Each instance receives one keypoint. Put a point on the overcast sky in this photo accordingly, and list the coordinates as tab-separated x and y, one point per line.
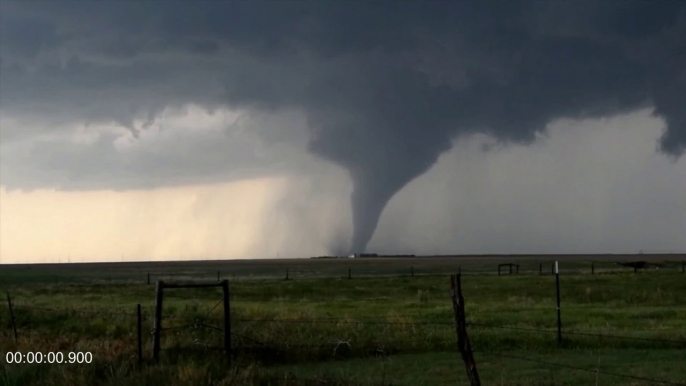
179	129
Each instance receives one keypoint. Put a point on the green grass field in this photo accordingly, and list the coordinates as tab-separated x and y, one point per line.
388	330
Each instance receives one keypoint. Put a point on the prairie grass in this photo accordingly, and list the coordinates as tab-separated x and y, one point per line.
381	331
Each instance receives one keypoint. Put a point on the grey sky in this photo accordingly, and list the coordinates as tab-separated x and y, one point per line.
93	94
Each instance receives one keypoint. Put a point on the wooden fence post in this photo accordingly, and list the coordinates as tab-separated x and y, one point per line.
218	277
411	271
350	273
159	288
592	268
683	264
540	268
140	335
286	273
148	277
463	344
559	319
227	320
14	324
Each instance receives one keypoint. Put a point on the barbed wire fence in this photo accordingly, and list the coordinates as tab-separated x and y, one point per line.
197	325
530	268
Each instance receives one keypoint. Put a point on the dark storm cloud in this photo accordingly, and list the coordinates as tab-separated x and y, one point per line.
385	86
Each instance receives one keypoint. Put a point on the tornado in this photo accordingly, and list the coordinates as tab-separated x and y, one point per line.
503	71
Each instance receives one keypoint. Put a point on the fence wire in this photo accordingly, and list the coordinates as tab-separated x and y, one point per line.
579	333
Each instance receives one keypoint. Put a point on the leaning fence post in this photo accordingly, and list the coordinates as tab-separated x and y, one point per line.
227	320
463	344
14	324
559	318
140	335
159	287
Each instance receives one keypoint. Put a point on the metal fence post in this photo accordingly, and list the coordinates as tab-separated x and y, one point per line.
12	319
140	335
559	318
159	289
227	320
